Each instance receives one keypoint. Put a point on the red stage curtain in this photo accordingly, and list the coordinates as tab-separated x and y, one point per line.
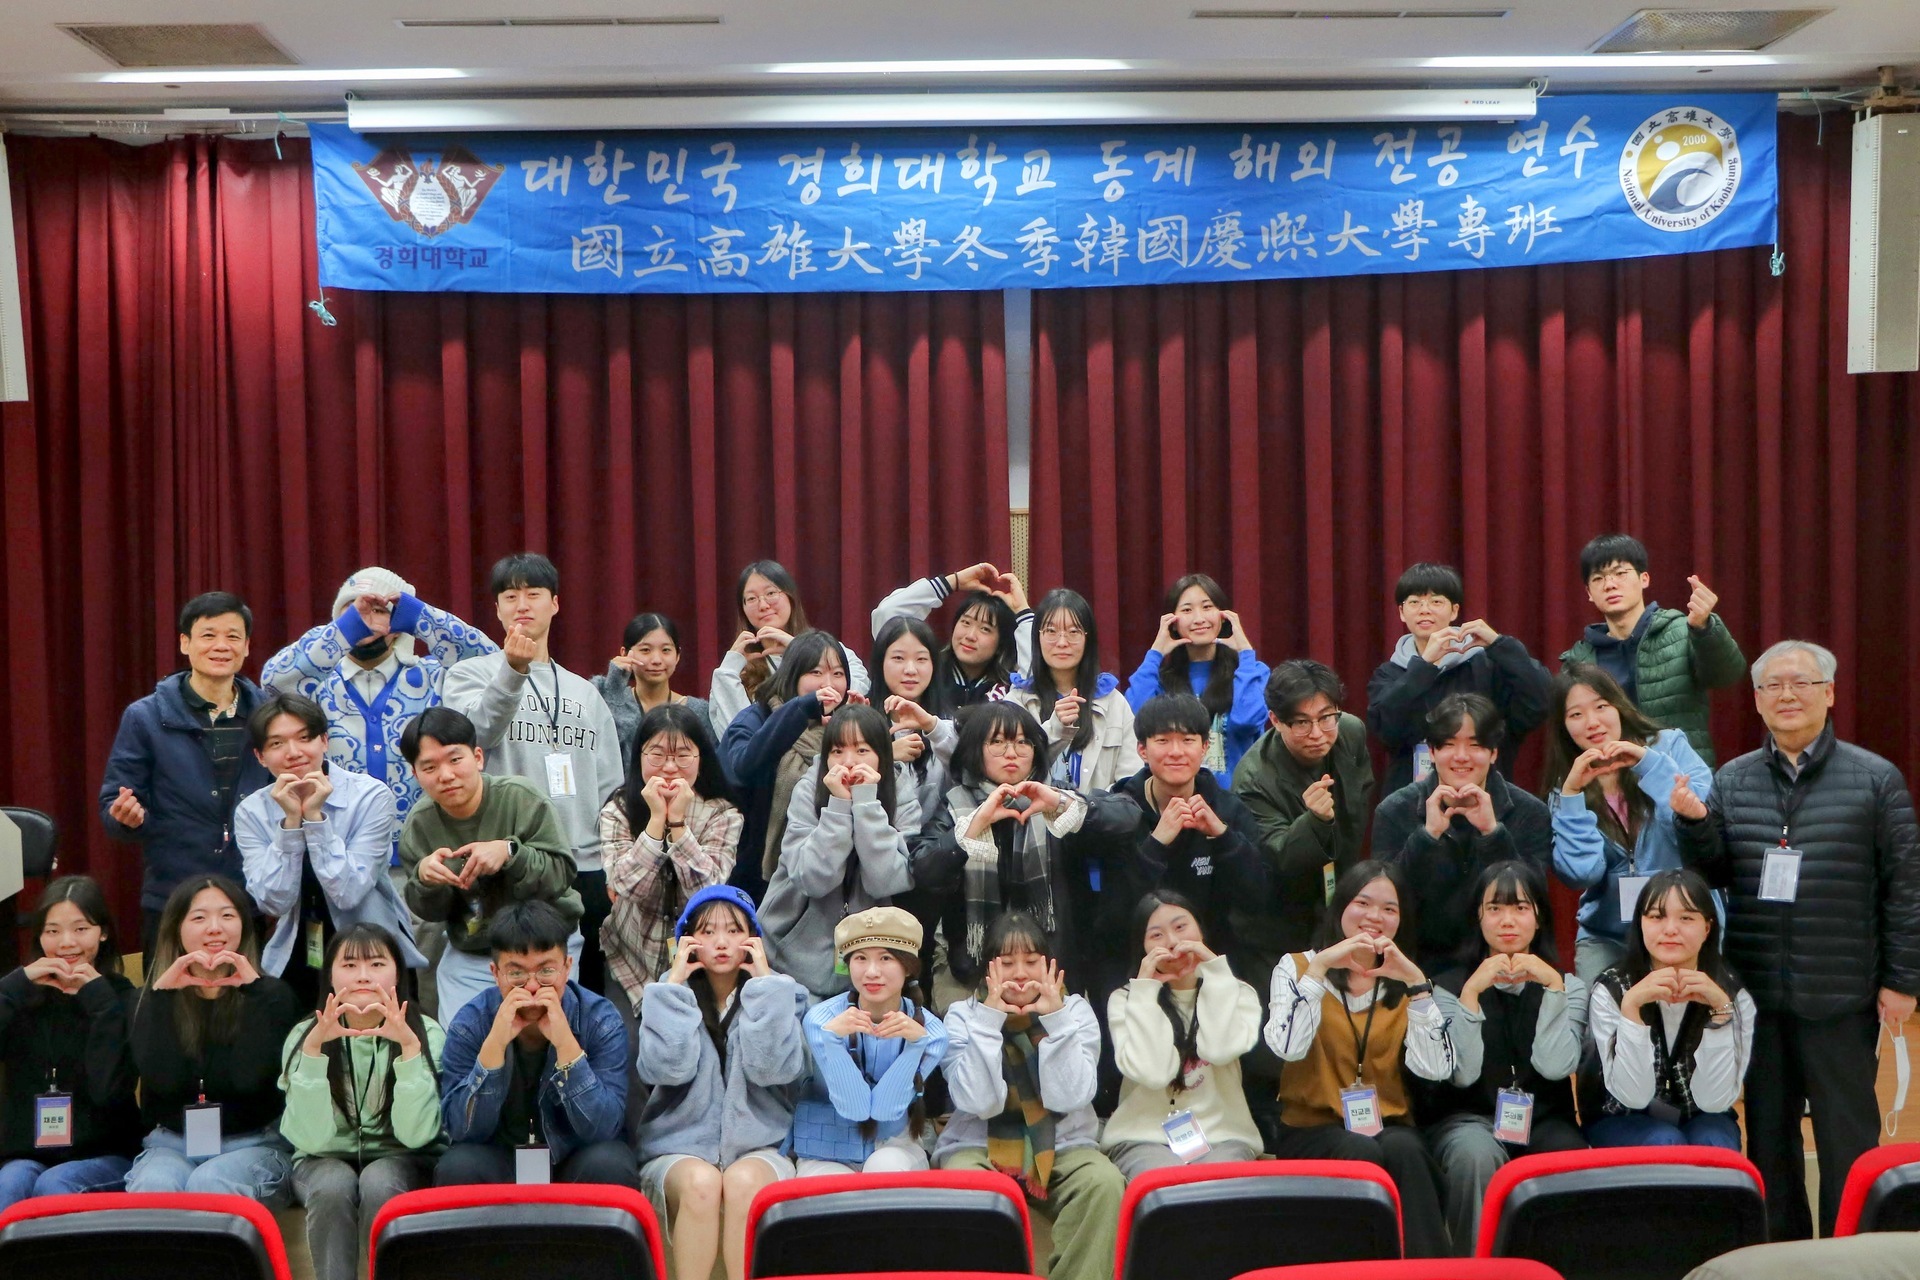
194	426
1303	441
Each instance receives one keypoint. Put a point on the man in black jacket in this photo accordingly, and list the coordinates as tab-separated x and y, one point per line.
1815	840
1466	817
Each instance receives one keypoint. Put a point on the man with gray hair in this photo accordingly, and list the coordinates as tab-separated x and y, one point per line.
1815	842
362	669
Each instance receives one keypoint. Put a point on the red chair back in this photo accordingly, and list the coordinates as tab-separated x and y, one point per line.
965	1218
1413	1269
1218	1221
1647	1212
183	1236
570	1231
1882	1192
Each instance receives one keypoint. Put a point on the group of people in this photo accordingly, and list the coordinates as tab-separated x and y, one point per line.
423	909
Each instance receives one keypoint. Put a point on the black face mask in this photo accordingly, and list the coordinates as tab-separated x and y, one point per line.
372	649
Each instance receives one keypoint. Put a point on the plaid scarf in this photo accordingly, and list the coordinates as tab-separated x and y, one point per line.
1020	1138
981	879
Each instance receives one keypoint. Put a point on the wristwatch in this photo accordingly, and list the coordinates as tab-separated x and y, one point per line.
1420	988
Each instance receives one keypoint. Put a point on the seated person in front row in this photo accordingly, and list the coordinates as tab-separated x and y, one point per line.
538	1060
1022	1066
473	844
1672	1028
363	1096
873	1048
1350	1020
721	1044
1517	1022
1464	818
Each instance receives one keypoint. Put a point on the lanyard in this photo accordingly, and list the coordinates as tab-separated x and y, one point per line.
1360	1037
553	716
1788	796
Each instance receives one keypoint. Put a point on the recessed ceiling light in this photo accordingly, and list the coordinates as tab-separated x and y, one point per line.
269	74
965	66
1526	62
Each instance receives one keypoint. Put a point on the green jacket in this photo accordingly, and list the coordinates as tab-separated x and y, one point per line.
408	1123
1296	845
541	867
1676	665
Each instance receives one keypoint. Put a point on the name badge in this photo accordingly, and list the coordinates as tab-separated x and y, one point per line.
1513	1117
1780	876
560	774
202	1125
1361	1107
1184	1136
316	935
1630	887
1327	877
1422	762
532	1166
53	1120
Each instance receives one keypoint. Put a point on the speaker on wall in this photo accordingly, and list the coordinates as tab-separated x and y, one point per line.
1883	257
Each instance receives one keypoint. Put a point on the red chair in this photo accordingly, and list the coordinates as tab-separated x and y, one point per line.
1882	1192
183	1236
1414	1269
570	1231
1647	1212
1218	1221
875	1222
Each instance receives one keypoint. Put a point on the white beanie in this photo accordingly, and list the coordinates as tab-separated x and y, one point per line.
373	579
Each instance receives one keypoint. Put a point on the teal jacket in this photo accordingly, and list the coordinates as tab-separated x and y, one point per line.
1675	665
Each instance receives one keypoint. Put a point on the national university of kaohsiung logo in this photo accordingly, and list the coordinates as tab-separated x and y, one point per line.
431	196
1681	168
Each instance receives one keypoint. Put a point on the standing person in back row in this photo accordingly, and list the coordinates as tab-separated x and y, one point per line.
180	762
539	721
1815	841
1665	659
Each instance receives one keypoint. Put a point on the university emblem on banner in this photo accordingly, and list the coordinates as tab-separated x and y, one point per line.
431	196
1681	168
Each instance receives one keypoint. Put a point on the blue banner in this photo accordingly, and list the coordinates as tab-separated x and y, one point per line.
834	209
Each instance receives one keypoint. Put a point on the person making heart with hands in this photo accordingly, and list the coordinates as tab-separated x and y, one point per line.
208	961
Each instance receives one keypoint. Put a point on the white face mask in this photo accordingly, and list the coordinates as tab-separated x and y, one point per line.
1902	1077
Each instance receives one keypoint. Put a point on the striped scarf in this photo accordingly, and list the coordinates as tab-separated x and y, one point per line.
1020	1138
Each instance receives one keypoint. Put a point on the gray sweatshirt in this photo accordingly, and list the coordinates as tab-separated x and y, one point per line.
809	892
1069	1067
522	719
699	1107
1558	1032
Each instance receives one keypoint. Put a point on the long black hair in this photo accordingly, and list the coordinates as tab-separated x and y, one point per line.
203	1022
801	657
671	719
1218	695
1512	882
952	687
717	1024
358	942
858	722
1695	895
758	669
86	896
890	634
1345	890
990	720
1070	604
1562	751
1186	1035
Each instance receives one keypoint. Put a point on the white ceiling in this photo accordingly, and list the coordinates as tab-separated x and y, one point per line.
43	68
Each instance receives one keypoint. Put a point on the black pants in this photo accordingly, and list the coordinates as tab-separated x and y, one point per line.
592	888
1399	1150
470	1163
1828	1064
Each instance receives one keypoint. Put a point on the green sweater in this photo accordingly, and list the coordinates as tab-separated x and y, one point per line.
541	866
411	1123
1675	665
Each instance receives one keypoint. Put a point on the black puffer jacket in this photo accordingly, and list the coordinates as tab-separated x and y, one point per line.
1854	925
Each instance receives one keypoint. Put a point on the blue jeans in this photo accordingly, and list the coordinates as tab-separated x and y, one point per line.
256	1165
1636	1129
25	1179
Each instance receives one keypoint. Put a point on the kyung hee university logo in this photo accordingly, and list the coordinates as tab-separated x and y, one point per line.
431	196
1681	168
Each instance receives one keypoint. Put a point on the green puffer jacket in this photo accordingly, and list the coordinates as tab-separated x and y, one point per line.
1675	666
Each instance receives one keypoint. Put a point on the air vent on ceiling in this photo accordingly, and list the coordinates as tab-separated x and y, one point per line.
666	20
1325	15
181	44
1704	30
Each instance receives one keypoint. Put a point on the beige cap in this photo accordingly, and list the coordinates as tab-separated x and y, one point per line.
888	927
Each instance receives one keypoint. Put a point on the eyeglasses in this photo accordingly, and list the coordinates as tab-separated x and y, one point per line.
1011	746
1051	632
1326	723
548	974
770	597
1801	688
1614	573
685	756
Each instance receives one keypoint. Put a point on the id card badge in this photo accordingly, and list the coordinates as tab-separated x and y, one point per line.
532	1166
202	1125
1513	1116
1422	762
1780	875
52	1121
1328	874
316	936
1360	1106
1630	887
1184	1136
560	774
